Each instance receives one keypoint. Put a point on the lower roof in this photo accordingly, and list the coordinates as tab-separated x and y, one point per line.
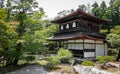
77	35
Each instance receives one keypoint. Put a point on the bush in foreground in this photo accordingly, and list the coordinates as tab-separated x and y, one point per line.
30	58
52	62
105	59
43	62
88	63
64	55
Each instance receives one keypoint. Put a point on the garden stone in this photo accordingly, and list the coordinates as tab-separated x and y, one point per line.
82	69
114	64
97	71
89	70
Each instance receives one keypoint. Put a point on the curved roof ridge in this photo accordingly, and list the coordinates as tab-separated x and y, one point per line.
83	14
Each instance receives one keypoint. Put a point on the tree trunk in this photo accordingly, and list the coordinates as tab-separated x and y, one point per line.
18	53
118	57
16	61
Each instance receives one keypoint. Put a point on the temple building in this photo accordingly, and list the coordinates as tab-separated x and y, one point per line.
79	32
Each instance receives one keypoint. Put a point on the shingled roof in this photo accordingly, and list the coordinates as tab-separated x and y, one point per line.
81	14
77	35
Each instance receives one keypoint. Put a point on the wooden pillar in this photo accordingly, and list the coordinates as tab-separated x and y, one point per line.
83	47
104	48
67	44
95	48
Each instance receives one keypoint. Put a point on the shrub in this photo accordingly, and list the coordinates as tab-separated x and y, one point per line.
112	52
104	59
52	62
22	57
43	62
88	63
64	55
30	58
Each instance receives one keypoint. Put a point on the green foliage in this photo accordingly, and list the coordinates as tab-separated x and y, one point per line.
64	55
116	3
88	63
95	9
27	58
114	39
104	59
3	13
30	58
104	31
43	62
112	52
24	36
83	7
52	61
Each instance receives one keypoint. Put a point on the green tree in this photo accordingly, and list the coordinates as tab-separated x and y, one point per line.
63	13
114	39
82	7
95	9
102	9
103	14
37	32
116	3
22	7
3	33
112	14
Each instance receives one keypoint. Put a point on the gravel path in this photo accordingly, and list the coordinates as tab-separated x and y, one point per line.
31	69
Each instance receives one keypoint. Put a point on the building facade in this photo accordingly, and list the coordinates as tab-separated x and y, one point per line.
79	32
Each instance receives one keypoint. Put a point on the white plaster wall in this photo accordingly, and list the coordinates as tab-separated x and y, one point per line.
79	46
75	46
99	41
71	40
89	46
65	41
105	48
72	46
79	40
69	46
100	50
89	54
89	41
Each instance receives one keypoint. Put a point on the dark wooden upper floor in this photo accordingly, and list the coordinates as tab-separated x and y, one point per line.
79	21
79	25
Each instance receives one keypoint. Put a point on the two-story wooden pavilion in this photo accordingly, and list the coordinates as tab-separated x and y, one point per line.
79	32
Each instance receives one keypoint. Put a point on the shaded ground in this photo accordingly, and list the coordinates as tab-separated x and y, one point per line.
31	69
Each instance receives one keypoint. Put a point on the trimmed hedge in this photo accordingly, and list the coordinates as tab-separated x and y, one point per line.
88	63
